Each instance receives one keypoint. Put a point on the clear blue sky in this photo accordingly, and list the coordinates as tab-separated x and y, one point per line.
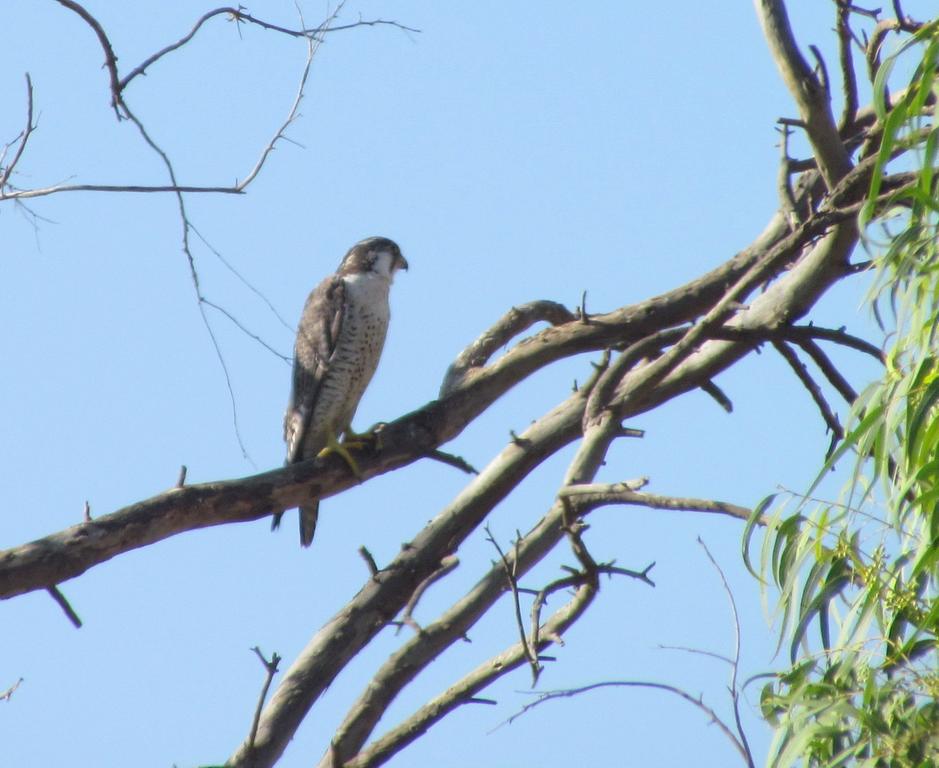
516	152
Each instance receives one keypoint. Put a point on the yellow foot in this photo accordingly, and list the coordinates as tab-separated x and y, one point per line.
370	438
342	449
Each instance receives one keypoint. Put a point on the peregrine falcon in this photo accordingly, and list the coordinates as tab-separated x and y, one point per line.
339	341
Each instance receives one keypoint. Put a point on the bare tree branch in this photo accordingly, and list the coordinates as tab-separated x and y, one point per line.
846	60
590	496
7	171
515	321
453	625
313	37
654	350
8	693
511	579
447	564
270	669
735	666
63	603
839	382
110	59
239	15
806	90
829	416
695	701
463	692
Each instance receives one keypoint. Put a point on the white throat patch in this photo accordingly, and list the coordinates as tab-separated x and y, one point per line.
383	264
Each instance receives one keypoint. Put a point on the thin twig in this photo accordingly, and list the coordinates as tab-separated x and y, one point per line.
369	561
718	395
242	279
446	565
695	701
734	691
110	59
829	416
64	605
839	382
848	75
8	693
698	651
453	461
22	138
239	16
241	327
787	198
510	575
512	323
822	69
270	667
837	336
590	496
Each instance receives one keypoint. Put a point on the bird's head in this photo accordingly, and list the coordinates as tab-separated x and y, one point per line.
378	255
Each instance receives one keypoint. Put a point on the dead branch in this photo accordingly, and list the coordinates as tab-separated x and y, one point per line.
369	561
270	669
447	564
385	594
797	366
313	38
22	139
511	578
65	555
453	461
667	345
839	382
735	665
695	701
63	603
590	496
718	395
514	322
8	693
453	625
800	333
463	692
846	61
239	15
809	94
110	59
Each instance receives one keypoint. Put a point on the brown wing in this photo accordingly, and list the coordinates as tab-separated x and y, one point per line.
319	328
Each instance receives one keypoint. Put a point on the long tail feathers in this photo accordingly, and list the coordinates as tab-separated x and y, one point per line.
308	515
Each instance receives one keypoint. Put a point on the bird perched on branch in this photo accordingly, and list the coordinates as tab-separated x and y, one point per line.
339	341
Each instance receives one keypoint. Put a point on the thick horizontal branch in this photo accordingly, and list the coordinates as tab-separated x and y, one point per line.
69	553
64	555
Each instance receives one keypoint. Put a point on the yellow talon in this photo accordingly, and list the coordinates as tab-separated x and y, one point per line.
370	438
342	449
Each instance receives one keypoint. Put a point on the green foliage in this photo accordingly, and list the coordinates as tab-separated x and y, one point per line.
858	580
